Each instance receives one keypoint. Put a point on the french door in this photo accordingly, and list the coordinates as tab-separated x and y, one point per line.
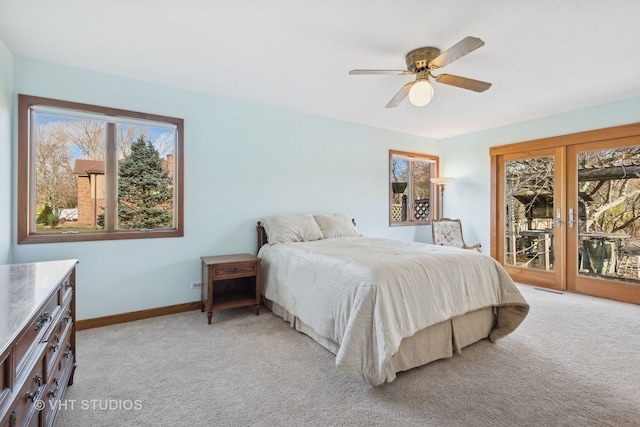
532	243
568	212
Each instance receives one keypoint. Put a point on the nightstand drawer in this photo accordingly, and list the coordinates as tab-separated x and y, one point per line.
234	270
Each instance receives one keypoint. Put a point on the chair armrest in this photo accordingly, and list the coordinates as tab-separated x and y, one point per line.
477	247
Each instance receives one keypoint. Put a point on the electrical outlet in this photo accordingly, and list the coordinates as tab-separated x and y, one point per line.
196	285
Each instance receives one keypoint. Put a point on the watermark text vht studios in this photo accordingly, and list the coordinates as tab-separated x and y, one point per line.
91	404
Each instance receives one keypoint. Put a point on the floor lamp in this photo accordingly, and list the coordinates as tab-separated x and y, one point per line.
440	182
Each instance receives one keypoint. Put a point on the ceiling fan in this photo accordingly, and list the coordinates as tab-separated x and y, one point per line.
421	62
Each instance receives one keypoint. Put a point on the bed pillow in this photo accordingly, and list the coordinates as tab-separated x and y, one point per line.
336	225
291	228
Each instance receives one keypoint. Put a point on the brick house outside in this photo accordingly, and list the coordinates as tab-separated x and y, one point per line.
90	178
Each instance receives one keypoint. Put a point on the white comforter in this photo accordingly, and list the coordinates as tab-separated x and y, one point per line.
367	294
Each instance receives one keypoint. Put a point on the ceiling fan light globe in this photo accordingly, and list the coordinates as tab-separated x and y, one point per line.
421	93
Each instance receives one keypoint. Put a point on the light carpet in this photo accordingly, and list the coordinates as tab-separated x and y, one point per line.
575	361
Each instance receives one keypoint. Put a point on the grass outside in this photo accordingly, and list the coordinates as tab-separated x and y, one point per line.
65	226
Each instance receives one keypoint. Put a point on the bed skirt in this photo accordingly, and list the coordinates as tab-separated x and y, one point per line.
438	341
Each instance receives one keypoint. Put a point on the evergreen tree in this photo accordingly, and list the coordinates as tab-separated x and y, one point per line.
145	194
43	216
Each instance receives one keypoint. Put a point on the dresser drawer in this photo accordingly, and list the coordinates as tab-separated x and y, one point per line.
24	409
229	271
58	336
35	332
57	382
58	352
60	323
56	346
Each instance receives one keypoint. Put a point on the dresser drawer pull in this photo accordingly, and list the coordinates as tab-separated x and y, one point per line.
34	396
68	285
235	270
68	317
55	346
54	392
67	354
44	318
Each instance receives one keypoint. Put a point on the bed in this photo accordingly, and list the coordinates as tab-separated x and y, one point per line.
381	306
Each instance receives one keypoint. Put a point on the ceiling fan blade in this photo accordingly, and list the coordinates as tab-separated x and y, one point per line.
463	82
460	49
397	72
402	94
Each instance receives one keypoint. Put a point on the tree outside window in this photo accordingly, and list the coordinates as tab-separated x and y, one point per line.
145	195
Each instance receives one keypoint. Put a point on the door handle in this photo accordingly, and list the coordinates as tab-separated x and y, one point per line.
558	218
571	217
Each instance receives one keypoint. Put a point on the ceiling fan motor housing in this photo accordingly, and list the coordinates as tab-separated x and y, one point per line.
418	59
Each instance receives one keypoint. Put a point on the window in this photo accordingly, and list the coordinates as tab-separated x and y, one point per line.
411	188
95	173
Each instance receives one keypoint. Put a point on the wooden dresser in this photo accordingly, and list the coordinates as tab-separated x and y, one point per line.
37	340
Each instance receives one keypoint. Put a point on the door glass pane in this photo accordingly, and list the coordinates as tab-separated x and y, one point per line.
608	213
529	213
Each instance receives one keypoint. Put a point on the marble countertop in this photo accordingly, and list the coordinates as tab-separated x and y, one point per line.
23	289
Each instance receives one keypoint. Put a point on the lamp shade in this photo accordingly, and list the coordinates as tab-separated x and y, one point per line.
421	93
441	180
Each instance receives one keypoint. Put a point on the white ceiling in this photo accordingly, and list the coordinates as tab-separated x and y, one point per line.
543	57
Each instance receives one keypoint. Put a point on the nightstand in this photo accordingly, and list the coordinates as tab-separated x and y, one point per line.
230	281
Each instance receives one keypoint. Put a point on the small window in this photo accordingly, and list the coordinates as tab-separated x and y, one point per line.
410	192
95	173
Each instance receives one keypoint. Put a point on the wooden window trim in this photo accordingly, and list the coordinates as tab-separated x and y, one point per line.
26	176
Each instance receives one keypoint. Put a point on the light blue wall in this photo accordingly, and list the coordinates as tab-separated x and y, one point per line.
467	158
6	91
242	163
